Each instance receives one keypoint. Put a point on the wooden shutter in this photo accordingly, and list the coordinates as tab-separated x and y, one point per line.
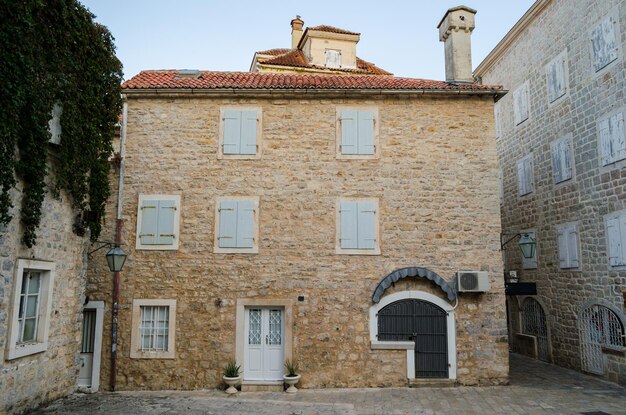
557	161
521	178
562	244
528	175
566	159
248	132
366	225
365	133
232	132
617	134
245	224
165	222
348	236
622	239
614	241
605	142
149	216
349	132
227	237
572	247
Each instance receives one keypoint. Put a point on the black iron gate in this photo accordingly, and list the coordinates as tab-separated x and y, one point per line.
426	325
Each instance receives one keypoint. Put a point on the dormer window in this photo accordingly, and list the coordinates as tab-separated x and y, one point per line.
333	58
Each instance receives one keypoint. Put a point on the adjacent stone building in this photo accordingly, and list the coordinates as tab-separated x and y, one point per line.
319	213
561	148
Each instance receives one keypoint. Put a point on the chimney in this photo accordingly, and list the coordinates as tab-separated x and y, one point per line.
455	30
296	32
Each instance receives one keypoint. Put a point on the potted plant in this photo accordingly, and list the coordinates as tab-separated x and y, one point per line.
291	377
232	376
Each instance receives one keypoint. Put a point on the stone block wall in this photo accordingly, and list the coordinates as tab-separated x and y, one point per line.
438	193
594	191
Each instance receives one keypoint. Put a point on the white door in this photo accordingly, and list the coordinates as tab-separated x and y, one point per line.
87	348
264	344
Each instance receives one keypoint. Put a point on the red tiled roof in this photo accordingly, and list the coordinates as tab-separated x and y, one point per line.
296	58
274	52
325	28
167	79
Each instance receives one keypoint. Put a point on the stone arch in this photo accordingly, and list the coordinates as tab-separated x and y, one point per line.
412	272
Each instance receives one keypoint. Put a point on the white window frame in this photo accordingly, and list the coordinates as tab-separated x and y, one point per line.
614	14
326	60
524	191
255	243
561	59
568	138
135	339
531	263
174	246
338	133
47	269
343	251
614	163
620	215
566	227
259	134
522	91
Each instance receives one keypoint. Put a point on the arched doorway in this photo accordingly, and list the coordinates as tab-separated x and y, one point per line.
534	323
423	323
599	327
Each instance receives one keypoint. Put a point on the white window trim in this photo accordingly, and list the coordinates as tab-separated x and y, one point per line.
409	346
175	245
523	86
615	14
562	57
216	243
342	251
613	215
97	344
569	138
527	264
619	164
15	350
135	337
338	132
259	135
580	261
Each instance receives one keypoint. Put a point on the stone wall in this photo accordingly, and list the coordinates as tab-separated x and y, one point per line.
564	25
28	381
437	186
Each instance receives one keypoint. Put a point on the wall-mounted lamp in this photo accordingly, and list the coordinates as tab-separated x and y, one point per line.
115	256
526	244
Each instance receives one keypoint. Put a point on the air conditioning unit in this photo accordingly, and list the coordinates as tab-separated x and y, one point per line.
472	281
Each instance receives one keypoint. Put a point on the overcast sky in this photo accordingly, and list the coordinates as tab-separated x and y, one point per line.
222	35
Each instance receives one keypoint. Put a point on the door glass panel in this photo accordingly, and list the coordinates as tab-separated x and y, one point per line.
254	329
33	284
275	333
31	306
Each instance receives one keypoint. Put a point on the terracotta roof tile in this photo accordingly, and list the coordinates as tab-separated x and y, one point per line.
325	28
296	58
166	79
274	52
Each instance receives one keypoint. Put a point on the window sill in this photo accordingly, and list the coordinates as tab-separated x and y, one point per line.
239	156
391	345
26	350
254	250
340	251
157	247
138	354
614	351
374	156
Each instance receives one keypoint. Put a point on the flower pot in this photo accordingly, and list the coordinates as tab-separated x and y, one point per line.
291	382
231	382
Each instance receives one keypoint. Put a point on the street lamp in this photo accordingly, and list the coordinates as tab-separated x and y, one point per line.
526	244
115	257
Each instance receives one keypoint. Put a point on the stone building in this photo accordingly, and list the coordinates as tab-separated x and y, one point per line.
300	214
560	140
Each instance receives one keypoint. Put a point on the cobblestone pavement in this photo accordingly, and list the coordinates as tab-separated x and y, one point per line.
536	388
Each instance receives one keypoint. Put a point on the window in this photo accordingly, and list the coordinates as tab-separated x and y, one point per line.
497	113
153	329
530	263
616	238
32	303
237	225
357	133
333	58
357	227
520	104
567	236
54	125
556	74
158	218
611	132
525	180
604	45
561	150
240	135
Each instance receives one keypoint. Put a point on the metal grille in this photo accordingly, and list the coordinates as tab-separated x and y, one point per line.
598	326
154	328
254	329
534	323
276	327
89	331
426	325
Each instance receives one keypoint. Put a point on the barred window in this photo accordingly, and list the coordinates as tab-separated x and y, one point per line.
154	328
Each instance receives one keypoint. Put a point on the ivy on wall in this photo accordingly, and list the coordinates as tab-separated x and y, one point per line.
52	52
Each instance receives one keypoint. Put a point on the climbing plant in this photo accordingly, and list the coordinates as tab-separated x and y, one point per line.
53	53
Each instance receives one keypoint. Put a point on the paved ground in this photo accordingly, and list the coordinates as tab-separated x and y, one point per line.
536	388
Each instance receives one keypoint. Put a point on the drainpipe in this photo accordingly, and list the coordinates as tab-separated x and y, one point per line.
118	240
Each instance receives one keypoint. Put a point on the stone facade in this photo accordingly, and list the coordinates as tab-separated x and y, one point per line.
590	94
432	214
28	381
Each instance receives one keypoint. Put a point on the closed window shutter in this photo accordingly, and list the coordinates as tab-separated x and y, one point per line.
557	160
165	222
349	132
348	236
521	178
245	224
618	137
622	239
149	216
365	132
562	242
566	160
227	237
528	175
572	247
366	225
605	143
614	241
248	132
232	132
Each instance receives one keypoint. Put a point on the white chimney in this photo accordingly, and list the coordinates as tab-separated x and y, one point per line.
455	30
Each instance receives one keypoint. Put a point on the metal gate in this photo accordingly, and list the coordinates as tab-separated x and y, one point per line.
534	323
426	325
598	326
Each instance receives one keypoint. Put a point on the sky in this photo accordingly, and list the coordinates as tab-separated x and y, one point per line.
222	35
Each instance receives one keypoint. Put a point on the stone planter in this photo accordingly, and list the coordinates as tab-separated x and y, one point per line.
232	382
291	382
